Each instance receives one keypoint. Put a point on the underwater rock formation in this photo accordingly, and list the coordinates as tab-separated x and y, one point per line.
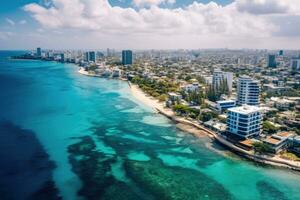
94	170
174	183
267	191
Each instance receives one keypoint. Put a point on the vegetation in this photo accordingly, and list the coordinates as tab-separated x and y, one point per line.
269	128
163	97
206	116
214	92
260	147
155	88
186	111
289	156
194	97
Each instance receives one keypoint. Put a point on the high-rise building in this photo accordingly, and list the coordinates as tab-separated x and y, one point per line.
280	53
248	91
92	56
127	57
244	121
295	63
38	52
86	56
220	76
272	61
62	57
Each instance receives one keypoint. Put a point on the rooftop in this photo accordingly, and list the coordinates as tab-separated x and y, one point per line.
272	140
245	109
226	101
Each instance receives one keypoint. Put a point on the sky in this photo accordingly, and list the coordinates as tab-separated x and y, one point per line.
150	24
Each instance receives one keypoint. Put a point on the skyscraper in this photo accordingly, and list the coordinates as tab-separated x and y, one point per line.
92	56
295	63
38	52
272	61
248	91
280	53
86	57
127	57
62	57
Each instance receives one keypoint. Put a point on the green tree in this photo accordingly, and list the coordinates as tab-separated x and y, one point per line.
260	147
269	127
182	109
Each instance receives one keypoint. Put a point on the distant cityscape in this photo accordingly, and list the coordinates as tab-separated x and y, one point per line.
248	99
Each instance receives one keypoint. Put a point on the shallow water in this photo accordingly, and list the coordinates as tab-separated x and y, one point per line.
60	106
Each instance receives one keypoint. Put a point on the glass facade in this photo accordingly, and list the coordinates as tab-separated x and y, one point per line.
127	57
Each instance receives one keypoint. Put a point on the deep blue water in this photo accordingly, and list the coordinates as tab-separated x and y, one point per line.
47	106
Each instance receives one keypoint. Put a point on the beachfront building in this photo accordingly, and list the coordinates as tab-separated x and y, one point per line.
225	104
174	98
244	121
62	57
39	52
248	91
278	141
127	57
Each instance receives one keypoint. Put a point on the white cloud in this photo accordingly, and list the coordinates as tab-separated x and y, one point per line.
235	24
4	35
40	30
10	21
269	6
142	3
22	22
197	18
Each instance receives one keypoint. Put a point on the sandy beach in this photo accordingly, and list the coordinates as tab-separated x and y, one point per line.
83	72
181	123
144	98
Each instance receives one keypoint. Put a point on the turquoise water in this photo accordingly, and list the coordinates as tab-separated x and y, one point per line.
60	106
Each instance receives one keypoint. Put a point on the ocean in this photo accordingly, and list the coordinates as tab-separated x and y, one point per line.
67	136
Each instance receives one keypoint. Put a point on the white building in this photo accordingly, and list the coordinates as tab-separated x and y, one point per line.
244	121
174	96
248	91
225	104
192	87
208	80
219	76
295	63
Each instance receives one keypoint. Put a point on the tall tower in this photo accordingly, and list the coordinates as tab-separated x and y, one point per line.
39	52
248	91
127	57
92	56
272	61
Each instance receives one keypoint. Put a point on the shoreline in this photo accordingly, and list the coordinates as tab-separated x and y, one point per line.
194	128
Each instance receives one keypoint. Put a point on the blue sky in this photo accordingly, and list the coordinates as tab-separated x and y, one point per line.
169	24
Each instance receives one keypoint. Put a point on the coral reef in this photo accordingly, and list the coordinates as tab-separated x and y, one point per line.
174	183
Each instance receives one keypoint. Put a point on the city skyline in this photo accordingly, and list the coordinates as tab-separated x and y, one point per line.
150	24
